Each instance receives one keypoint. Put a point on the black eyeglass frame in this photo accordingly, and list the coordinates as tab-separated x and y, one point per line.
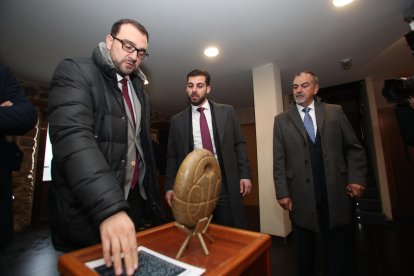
141	53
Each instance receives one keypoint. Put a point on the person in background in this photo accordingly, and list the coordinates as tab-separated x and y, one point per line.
226	143
319	166
104	186
17	116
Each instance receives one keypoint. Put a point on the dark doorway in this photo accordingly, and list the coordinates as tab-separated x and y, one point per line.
368	209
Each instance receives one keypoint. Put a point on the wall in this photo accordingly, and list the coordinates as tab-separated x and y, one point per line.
24	181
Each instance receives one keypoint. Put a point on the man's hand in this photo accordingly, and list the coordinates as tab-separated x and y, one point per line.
245	186
119	237
6	103
355	190
168	197
285	203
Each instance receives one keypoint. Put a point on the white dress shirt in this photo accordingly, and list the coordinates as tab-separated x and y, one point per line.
195	114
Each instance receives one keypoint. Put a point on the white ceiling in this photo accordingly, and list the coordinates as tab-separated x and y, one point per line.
293	34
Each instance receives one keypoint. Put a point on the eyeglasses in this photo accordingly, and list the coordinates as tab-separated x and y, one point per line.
127	46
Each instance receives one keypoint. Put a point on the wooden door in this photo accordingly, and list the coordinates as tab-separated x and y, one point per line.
249	133
399	162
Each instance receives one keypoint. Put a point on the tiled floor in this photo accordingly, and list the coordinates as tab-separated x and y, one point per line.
380	250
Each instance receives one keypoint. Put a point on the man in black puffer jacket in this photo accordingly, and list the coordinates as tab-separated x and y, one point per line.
103	170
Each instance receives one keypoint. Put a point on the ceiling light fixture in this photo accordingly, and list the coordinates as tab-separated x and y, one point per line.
341	3
211	51
346	63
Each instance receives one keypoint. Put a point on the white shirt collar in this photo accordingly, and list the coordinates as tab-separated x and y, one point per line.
119	77
205	105
311	106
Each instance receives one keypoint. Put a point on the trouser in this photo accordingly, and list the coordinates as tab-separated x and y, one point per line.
337	245
137	207
6	207
222	213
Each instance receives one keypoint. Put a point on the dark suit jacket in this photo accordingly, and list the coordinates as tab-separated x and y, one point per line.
343	158
228	135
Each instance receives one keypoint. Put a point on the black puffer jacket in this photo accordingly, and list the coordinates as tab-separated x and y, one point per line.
88	131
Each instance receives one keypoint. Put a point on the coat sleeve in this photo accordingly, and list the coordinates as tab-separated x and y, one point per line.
355	153
172	157
279	161
22	116
240	149
75	150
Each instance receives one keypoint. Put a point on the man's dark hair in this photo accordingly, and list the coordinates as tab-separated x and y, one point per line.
198	72
117	25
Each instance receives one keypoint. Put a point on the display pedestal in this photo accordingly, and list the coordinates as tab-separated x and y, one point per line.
233	252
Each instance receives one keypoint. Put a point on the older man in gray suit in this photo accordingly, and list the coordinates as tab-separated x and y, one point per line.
319	166
227	144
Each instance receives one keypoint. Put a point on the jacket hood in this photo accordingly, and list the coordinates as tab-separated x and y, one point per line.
108	61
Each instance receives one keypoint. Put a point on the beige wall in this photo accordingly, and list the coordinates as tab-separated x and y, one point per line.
268	102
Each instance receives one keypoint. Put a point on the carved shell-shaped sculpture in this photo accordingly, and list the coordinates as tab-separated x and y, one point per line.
196	188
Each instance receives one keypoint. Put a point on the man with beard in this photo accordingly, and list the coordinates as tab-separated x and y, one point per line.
103	169
226	143
319	166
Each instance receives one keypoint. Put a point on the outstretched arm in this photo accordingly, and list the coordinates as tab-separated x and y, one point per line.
118	239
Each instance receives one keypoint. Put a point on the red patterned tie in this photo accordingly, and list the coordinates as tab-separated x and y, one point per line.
205	132
135	175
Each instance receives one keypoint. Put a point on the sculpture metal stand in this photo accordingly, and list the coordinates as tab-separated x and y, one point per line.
199	230
195	195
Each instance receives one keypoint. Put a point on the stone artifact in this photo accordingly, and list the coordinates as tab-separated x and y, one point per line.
196	188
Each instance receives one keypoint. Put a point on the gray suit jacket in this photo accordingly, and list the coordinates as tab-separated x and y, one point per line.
228	135
344	162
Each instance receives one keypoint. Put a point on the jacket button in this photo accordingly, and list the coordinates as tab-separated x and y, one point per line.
307	180
306	161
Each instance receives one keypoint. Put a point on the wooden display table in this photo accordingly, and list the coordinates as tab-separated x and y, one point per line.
234	251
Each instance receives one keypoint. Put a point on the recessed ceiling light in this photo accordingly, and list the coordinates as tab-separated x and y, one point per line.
341	3
211	51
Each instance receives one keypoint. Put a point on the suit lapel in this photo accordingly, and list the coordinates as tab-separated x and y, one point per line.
297	120
184	130
319	113
139	104
220	118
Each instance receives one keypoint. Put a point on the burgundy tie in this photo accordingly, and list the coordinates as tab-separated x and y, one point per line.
127	98
205	132
135	175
